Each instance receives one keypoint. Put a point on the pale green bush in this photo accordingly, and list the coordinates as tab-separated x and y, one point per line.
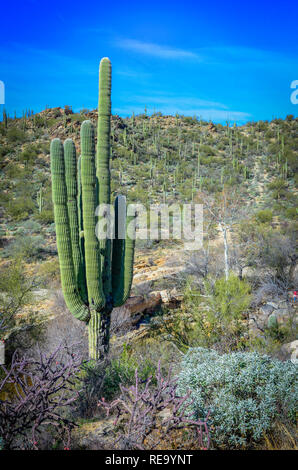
244	391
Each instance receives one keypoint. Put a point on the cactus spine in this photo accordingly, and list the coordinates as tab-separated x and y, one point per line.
96	272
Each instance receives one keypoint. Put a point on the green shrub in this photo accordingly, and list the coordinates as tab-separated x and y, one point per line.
16	294
49	271
231	297
245	392
278	188
28	227
211	316
16	135
264	216
51	122
100	381
122	371
13	171
28	156
291	213
39	121
189	120
25	247
45	217
50	229
20	208
207	150
2	128
4	150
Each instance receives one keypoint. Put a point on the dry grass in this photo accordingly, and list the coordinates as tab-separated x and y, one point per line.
283	436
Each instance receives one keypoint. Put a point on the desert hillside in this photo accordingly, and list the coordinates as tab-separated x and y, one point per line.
234	296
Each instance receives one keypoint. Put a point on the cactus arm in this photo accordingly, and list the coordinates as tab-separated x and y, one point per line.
92	254
72	192
122	283
82	269
80	204
129	256
103	163
70	162
118	249
59	191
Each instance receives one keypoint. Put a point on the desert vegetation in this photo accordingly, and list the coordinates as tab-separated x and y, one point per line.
201	351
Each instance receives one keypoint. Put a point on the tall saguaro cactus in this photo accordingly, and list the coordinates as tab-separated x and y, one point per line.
96	272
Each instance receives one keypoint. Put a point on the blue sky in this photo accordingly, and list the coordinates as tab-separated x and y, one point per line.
218	60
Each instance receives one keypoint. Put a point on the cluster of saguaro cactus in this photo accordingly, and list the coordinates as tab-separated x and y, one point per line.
96	272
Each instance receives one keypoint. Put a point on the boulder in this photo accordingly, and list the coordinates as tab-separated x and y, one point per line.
134	309
272	304
266	309
165	296
290	351
282	314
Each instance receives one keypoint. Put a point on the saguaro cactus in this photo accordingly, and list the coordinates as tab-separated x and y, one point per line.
96	272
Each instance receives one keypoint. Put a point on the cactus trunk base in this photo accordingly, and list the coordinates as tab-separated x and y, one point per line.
99	332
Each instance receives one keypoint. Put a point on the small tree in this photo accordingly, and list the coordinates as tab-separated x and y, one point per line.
16	292
219	312
225	211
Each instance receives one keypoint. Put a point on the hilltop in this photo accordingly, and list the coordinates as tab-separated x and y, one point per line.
155	158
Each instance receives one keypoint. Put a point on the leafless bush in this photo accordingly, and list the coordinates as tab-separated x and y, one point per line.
277	254
148	409
64	327
198	263
270	287
204	262
174	260
120	321
42	388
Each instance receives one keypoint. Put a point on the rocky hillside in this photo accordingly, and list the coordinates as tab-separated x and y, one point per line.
154	159
235	294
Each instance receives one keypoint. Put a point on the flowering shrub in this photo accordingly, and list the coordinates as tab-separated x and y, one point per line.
243	391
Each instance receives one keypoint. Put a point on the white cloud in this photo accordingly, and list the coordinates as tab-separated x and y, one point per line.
236	56
174	101
156	50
